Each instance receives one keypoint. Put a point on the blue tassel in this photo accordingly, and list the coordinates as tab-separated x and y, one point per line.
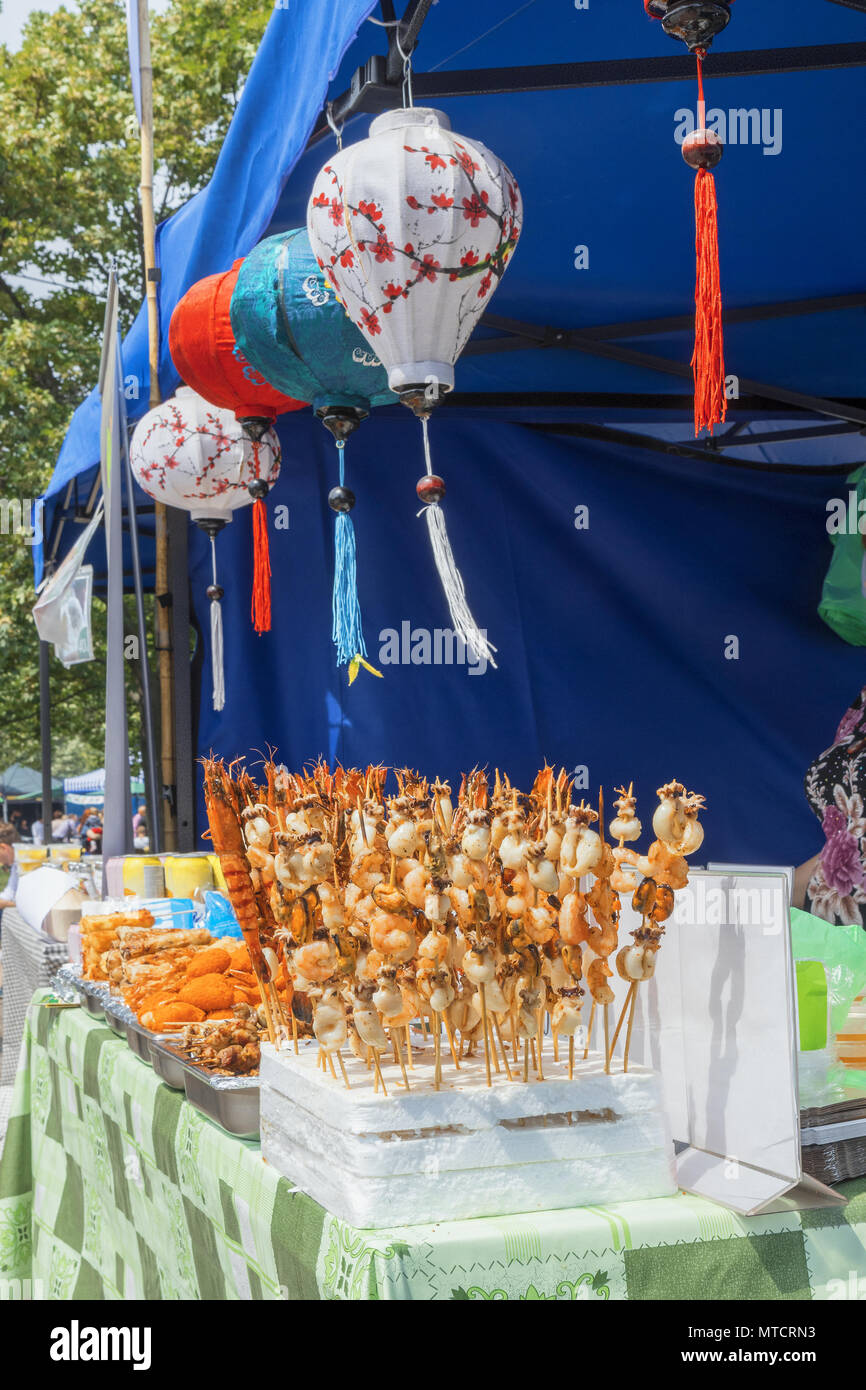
348	635
347	630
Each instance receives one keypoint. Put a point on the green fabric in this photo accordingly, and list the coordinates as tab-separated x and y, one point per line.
112	1186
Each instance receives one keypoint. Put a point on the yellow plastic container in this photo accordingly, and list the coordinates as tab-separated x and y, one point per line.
29	857
143	876
187	874
64	854
219	881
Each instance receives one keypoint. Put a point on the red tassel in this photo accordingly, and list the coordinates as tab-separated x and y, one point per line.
261	608
708	362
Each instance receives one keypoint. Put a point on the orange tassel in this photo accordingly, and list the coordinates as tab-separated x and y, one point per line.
708	361
261	607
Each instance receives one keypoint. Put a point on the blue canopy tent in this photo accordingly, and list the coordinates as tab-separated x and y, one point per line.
677	632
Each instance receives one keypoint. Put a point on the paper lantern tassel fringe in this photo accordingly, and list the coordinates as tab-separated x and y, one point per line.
708	361
463	623
261	605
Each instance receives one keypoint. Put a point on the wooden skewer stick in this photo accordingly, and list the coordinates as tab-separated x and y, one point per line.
534	1054
396	1041
632	989
571	1056
379	1075
555	1036
540	1042
376	1074
409	1047
450	1033
482	991
628	1030
503	1048
526	1060
331	1065
343	1069
589	1031
295	1032
437	1067
606	1039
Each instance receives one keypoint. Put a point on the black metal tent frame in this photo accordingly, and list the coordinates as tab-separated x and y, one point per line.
377	86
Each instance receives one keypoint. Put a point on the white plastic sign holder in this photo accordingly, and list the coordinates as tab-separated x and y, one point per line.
718	1021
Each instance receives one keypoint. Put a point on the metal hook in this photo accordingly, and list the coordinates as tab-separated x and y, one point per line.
338	130
408	99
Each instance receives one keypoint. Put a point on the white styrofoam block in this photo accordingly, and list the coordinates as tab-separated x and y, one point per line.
408	1151
468	1149
429	1196
464	1099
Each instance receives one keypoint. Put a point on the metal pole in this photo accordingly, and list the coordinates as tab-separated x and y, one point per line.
178	523
45	737
149	744
163	594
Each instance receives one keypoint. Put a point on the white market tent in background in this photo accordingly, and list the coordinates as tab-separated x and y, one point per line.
89	790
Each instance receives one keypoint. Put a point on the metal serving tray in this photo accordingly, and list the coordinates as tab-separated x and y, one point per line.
92	994
232	1101
139	1041
169	1065
119	1017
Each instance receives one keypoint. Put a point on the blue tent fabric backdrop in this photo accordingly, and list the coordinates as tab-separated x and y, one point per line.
611	639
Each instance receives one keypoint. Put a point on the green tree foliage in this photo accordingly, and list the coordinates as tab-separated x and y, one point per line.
69	173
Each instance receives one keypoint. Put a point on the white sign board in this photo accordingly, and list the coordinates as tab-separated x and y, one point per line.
718	1021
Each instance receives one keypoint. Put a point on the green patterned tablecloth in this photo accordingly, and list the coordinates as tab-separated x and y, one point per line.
112	1186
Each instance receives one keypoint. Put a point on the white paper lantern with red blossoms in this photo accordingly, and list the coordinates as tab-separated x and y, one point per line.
189	454
415	227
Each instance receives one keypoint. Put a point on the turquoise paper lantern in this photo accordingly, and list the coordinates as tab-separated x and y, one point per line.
289	323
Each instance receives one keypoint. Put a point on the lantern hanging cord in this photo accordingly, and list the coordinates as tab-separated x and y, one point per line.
700	54
216	636
408	98
337	129
465	626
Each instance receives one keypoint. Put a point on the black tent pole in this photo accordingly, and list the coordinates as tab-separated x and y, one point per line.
45	737
153	798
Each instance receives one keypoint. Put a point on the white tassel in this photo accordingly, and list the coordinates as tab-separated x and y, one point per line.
216	634
216	653
462	620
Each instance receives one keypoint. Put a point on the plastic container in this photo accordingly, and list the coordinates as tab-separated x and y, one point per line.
851	1040
143	876
64	854
187	874
30	857
171	912
219	881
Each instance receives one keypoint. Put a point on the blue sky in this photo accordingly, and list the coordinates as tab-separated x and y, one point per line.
13	15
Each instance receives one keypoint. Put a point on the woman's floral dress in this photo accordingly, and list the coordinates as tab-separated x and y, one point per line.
835	789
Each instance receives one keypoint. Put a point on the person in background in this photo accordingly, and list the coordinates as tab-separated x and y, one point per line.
8	836
37	830
832	884
139	822
60	828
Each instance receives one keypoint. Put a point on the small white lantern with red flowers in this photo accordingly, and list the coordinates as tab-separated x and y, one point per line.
189	454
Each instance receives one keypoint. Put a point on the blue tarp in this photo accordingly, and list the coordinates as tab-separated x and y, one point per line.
611	640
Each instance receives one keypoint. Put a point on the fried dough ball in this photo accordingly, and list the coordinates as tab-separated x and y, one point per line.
240	959
175	1011
212	961
209	992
